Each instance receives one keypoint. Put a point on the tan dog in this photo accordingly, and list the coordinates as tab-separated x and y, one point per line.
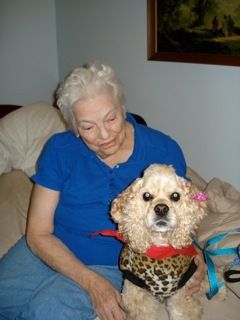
157	216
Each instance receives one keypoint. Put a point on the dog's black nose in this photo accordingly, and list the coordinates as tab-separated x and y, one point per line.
161	209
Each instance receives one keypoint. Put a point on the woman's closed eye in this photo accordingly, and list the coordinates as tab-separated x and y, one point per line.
112	118
86	128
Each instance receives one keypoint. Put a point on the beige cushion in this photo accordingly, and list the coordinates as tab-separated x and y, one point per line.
223	216
23	134
214	309
15	190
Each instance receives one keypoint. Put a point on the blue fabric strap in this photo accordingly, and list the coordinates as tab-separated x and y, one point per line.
215	285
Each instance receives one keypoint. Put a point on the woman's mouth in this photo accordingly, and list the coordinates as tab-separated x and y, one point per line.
107	145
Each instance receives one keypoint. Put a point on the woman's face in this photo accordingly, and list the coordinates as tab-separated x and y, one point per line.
101	123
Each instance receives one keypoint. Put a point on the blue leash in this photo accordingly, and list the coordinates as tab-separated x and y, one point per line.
215	285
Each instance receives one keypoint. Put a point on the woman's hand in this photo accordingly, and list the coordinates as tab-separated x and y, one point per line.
194	284
106	300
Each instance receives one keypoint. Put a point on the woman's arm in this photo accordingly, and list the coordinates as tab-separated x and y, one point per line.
106	299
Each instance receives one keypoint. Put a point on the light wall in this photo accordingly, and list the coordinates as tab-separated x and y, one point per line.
198	105
28	54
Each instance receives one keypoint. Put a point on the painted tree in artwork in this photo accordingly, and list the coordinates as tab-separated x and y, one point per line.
169	14
201	8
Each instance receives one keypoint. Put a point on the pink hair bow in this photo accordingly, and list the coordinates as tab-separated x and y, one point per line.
201	196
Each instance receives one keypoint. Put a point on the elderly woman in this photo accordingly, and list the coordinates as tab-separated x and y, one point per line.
60	271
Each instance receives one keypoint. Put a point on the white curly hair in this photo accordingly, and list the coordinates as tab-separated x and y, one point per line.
87	82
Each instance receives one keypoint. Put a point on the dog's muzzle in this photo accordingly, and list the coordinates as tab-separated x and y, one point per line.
161	211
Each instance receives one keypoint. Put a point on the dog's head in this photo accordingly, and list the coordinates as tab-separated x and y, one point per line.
158	209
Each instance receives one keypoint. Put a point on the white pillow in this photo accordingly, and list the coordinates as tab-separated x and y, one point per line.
23	134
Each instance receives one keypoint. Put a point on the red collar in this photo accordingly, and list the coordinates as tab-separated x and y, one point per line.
168	251
154	251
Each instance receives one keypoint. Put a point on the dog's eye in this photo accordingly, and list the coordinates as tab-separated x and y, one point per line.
175	196
147	196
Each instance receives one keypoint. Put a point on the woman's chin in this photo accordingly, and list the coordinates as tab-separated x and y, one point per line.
104	153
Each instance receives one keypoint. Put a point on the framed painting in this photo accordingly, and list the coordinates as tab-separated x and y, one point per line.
194	31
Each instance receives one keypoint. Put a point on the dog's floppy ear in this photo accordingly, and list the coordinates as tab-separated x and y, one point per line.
119	204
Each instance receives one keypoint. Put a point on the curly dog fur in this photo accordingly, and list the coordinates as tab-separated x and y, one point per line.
158	209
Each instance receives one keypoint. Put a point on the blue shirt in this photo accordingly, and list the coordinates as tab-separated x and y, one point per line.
87	186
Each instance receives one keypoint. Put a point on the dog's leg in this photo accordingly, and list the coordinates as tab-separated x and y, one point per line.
181	308
139	303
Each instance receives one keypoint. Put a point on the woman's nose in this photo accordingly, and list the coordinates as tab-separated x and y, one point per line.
104	133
